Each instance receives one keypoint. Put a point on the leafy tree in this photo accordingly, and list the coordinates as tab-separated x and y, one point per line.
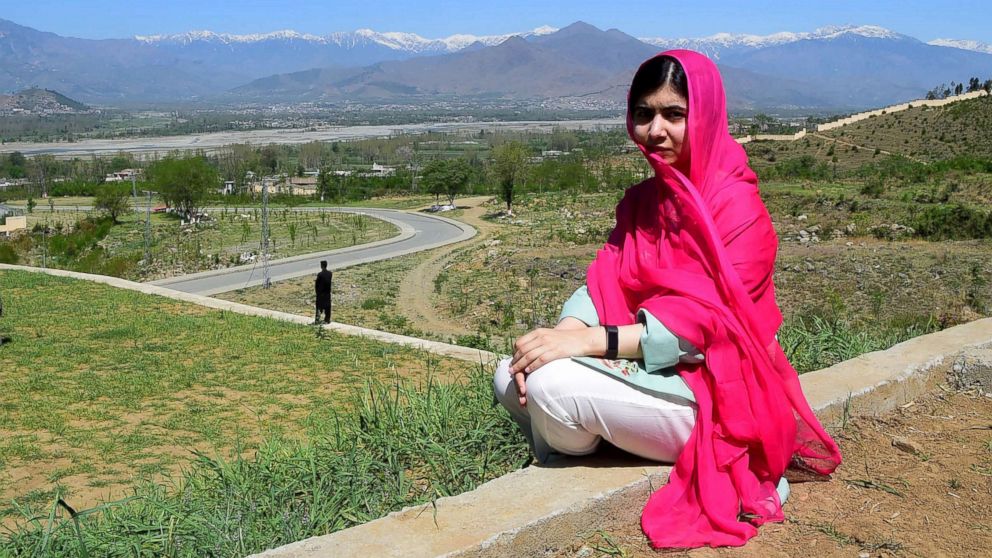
508	167
112	199
120	162
183	183
448	177
324	183
270	158
13	165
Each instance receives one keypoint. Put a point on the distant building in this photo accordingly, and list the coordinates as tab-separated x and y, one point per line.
381	170
12	220
122	175
228	188
300	186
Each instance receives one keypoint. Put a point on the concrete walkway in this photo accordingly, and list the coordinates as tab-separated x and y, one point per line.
444	349
537	509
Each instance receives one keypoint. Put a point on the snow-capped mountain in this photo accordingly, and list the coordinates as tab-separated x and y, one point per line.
974	46
732	43
836	67
399	41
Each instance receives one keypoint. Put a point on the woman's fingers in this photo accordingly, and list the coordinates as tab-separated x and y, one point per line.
536	358
520	381
526	345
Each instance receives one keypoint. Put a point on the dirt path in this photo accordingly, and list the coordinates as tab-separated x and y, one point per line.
416	297
882	151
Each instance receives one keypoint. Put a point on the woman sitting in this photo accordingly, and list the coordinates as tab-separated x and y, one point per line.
669	351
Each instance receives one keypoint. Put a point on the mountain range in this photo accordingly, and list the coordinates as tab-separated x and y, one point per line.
836	68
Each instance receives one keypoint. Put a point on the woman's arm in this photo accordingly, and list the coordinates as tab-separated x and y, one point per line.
541	346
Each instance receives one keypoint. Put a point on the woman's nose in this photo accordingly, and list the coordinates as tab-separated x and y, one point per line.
657	129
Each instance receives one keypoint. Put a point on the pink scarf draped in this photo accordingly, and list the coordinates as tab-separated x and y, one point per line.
698	253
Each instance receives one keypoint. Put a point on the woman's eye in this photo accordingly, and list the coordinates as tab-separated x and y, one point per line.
642	114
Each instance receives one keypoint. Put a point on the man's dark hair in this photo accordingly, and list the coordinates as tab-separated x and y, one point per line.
655	74
323	264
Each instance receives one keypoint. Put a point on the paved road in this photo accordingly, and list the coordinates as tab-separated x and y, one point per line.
417	232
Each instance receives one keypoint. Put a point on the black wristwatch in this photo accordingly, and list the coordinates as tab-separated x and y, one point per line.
612	342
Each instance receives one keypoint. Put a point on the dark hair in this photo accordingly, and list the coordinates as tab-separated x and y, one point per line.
655	74
323	264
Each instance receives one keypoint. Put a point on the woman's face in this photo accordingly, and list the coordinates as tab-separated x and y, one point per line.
659	123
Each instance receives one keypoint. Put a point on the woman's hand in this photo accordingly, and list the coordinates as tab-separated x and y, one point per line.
541	346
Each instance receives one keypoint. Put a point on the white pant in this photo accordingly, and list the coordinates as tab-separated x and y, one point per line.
571	407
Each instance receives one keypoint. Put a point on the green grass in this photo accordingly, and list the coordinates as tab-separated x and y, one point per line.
106	386
404	444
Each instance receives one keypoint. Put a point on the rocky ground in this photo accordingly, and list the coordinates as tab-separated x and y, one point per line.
915	482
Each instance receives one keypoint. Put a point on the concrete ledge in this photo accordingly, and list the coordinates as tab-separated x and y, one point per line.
521	513
454	351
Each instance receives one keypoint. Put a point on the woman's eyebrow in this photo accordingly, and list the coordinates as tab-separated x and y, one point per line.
664	107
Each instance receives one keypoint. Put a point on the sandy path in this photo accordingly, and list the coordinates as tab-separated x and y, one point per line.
416	299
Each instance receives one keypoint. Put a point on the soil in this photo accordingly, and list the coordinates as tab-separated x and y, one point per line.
416	297
932	496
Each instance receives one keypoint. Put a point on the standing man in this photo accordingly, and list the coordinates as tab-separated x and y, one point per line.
322	286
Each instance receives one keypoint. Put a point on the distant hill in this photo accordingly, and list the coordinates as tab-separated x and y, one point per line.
40	101
924	134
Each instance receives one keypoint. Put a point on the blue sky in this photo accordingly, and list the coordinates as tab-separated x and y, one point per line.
966	19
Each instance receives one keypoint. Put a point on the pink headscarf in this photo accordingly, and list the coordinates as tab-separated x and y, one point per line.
698	253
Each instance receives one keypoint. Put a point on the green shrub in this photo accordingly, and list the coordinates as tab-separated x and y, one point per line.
952	222
373	304
8	255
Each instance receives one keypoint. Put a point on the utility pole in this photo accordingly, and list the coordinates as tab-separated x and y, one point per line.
148	229
44	256
134	190
266	280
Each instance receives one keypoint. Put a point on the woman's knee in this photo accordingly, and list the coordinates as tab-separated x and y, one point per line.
503	383
551	382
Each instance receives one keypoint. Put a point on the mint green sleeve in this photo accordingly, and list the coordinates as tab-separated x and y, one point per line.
659	346
580	307
662	348
783	490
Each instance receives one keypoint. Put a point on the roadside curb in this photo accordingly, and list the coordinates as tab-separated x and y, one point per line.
476	356
539	509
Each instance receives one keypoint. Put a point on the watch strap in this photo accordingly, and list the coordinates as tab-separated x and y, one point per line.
612	342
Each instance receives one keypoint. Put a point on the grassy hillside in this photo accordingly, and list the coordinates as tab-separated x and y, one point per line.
104	392
926	133
923	134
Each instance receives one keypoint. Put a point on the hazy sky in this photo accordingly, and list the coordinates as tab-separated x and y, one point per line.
925	20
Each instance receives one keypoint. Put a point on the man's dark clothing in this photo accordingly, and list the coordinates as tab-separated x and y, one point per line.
322	286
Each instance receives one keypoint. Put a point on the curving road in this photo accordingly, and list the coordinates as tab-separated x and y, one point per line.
417	232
